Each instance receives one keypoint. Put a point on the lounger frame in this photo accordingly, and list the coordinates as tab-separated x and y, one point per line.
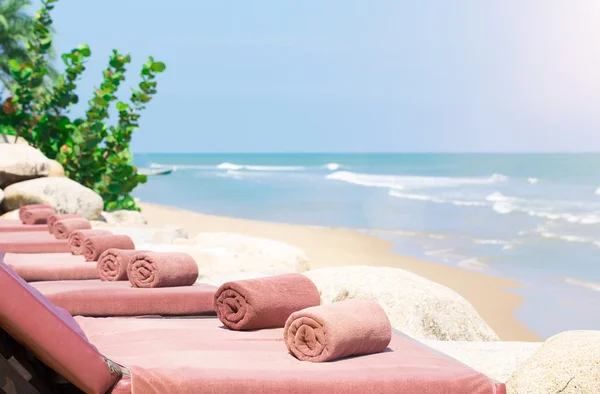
22	373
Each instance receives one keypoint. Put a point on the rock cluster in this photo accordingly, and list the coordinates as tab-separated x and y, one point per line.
29	177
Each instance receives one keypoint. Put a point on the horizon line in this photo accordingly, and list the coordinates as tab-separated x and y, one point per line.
374	153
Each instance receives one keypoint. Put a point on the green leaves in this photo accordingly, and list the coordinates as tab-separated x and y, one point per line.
84	49
121	106
14	65
91	151
158	67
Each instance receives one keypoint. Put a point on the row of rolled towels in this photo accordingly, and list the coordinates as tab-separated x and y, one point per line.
312	332
117	260
115	255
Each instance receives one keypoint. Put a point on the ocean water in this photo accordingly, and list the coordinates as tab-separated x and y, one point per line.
530	217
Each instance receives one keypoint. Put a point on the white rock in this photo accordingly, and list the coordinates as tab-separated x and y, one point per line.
56	169
496	359
416	306
567	363
218	280
278	256
124	218
145	235
221	256
19	162
65	195
11	139
10	215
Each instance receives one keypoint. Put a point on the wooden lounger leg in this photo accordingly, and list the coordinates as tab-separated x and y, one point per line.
20	370
14	379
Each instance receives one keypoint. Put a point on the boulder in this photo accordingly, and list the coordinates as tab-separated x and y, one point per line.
56	169
496	359
19	162
145	235
225	256
416	306
218	280
124	218
10	215
11	139
65	195
567	363
278	257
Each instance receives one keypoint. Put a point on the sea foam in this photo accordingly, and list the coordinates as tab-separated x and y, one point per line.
423	197
581	283
237	167
407	182
332	166
538	208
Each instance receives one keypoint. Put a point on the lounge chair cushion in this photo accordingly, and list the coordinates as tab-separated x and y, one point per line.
51	334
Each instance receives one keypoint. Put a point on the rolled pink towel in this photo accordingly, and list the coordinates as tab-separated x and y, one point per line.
113	263
338	330
264	302
153	269
93	247
55	218
64	227
78	237
36	215
30	207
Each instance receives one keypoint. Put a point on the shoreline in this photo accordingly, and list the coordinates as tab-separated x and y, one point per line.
333	246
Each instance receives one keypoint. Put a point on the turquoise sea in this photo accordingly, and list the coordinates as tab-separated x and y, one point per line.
530	217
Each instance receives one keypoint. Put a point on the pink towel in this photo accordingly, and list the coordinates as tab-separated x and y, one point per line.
36	215
78	237
152	269
93	247
264	302
55	218
26	208
113	263
64	227
338	330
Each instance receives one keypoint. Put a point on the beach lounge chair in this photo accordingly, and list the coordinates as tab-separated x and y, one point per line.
45	350
32	242
33	267
118	298
15	225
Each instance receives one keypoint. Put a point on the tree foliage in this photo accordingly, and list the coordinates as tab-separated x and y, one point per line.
16	29
92	152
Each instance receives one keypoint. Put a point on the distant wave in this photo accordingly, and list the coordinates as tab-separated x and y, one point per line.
237	167
506	205
533	180
570	238
589	285
422	197
597	191
473	264
230	174
245	167
332	166
401	182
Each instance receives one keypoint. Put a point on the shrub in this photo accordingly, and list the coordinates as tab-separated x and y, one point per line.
92	152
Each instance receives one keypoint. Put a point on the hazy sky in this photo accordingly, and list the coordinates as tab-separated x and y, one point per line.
371	75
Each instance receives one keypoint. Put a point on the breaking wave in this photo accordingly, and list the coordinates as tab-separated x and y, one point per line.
402	182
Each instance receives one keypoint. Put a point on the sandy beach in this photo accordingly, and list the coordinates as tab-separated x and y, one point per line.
327	246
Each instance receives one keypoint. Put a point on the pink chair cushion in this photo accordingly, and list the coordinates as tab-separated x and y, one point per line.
51	334
15	225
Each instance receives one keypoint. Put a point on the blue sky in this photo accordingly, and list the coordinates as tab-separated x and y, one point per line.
347	76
